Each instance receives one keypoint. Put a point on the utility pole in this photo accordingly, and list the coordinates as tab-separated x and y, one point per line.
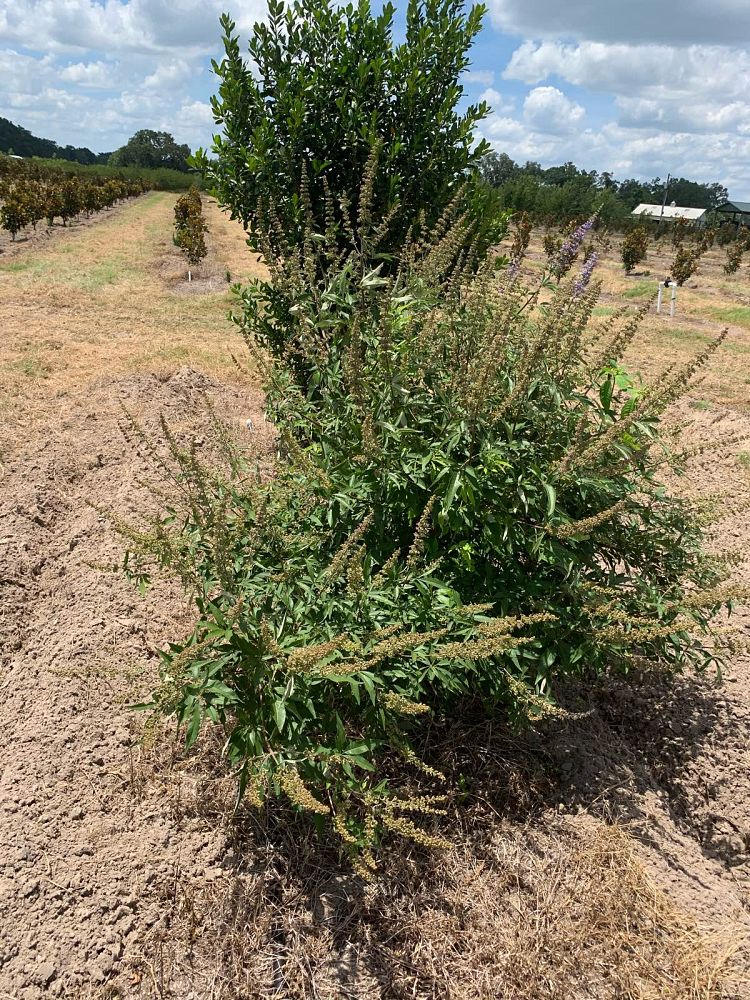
664	199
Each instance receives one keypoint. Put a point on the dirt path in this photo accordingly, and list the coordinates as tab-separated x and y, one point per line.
90	325
120	875
109	300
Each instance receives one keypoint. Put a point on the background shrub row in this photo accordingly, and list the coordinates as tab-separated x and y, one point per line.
30	196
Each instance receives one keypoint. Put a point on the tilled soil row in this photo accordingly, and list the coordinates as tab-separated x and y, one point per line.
86	854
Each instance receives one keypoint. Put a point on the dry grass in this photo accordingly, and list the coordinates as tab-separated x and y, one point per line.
708	303
529	904
568	911
558	908
229	248
96	304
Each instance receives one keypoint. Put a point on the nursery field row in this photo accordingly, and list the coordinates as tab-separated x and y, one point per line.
31	194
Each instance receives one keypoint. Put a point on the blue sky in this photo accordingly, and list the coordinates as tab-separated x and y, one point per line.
639	88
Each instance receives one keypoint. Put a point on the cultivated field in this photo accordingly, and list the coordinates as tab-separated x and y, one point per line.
605	857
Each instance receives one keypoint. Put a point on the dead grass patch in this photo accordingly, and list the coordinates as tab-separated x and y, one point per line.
559	907
529	904
230	245
99	292
560	910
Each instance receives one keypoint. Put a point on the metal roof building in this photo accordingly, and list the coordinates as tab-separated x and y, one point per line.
671	212
735	211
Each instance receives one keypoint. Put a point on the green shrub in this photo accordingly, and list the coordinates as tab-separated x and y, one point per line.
681	229
467	505
467	508
735	252
190	226
14	215
328	86
685	262
551	244
522	227
634	248
736	249
447	257
70	198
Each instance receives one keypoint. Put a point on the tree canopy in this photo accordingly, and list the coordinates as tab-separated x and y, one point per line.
19	141
566	190
151	149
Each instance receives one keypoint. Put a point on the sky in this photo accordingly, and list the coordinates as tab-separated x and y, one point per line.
636	87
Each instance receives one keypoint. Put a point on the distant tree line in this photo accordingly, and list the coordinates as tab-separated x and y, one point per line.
146	149
18	141
159	179
567	192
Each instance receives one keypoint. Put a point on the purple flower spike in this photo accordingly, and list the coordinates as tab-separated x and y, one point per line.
570	248
581	283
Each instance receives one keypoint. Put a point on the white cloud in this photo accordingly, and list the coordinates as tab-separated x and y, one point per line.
169	73
141	26
664	98
195	118
670	22
629	151
92	72
547	109
660	72
676	72
484	77
23	72
503	129
99	74
100	104
498	103
684	117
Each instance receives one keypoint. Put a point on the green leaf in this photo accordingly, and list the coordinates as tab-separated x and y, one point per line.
362	762
551	498
194	727
279	714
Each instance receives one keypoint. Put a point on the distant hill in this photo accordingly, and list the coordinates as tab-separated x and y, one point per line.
18	140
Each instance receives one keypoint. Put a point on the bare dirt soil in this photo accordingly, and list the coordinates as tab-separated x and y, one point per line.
80	845
607	857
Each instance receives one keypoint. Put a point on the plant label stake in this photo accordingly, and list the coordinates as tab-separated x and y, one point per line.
673	300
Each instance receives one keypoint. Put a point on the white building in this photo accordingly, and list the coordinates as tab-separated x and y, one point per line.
670	213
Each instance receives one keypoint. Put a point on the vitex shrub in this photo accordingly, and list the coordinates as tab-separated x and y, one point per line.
467	507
